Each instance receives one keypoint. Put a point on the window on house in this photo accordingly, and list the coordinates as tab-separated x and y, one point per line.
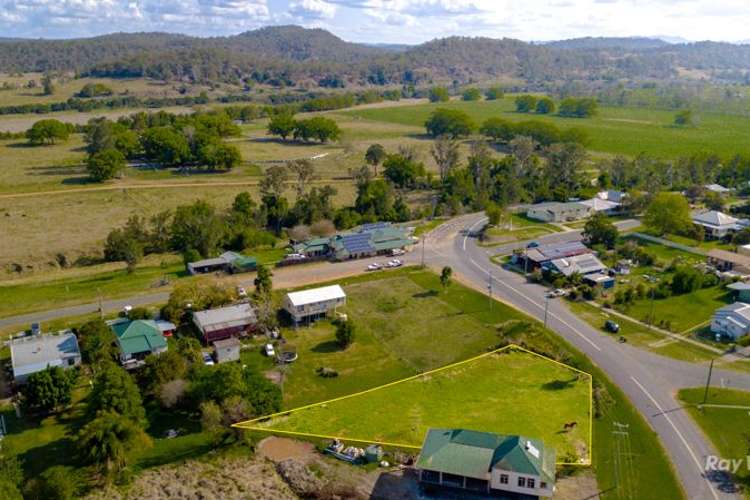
522	482
543	485
530	483
503	478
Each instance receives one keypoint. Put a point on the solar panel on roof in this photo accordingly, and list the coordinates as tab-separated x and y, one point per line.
374	225
357	243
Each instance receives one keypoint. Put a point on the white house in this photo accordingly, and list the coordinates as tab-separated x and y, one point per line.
34	353
599	205
732	320
308	305
717	224
578	264
487	463
558	212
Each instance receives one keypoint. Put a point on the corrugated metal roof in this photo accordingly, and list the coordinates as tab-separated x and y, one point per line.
315	295
225	317
138	336
474	454
34	353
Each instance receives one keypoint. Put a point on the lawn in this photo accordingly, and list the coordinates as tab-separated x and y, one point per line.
640	336
455	323
518	228
673	310
727	428
467	396
627	131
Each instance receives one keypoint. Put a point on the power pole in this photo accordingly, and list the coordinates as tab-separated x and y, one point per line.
423	238
623	461
489	286
708	380
651	313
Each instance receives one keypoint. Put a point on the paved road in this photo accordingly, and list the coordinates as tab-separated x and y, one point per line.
285	277
649	380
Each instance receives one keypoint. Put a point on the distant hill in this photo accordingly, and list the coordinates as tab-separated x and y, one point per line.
290	55
602	43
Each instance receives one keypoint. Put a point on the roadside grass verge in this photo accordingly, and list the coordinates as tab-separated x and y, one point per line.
726	428
38	294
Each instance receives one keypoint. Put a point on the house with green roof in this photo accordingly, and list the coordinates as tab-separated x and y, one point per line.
228	262
486	462
137	339
367	241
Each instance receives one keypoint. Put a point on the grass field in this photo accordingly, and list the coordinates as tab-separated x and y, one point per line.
68	87
463	395
627	131
702	304
727	428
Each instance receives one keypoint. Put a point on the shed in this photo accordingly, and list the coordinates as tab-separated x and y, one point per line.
600	279
224	322
227	350
741	291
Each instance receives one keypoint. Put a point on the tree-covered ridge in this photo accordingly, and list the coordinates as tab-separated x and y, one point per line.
291	55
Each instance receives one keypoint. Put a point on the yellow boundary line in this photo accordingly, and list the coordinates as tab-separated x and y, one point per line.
248	424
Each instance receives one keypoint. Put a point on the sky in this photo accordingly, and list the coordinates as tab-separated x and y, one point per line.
385	21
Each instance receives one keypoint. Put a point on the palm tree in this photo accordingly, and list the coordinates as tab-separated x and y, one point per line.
109	439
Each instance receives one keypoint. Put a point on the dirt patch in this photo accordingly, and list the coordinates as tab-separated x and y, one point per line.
628	120
581	485
279	449
223	479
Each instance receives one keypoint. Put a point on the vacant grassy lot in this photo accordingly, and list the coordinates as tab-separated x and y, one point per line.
464	396
406	324
639	335
727	428
701	305
627	131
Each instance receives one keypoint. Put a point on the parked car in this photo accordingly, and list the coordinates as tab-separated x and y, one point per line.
207	359
126	310
533	244
395	263
374	267
269	350
557	292
611	326
295	256
397	251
